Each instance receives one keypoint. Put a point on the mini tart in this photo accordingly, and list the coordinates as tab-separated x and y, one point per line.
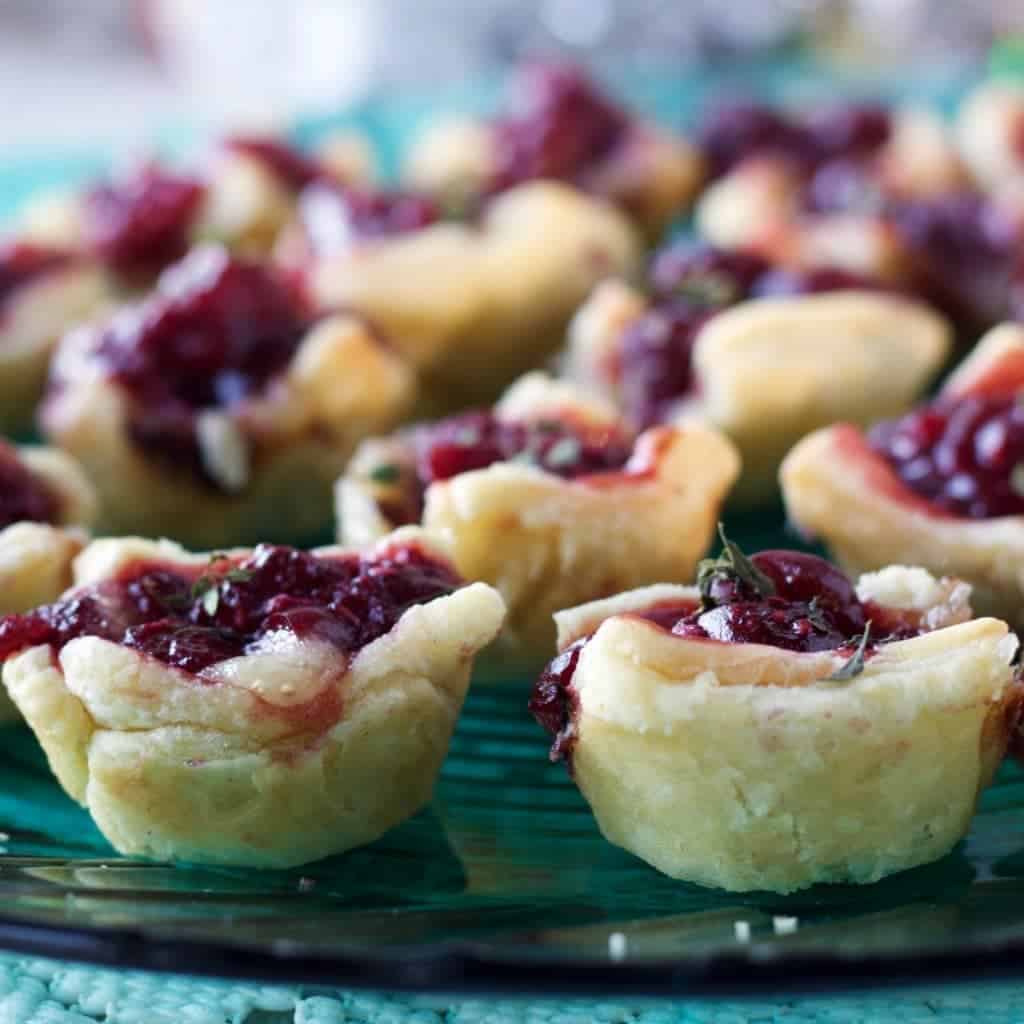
212	448
742	766
990	133
46	502
542	533
472	306
652	174
839	488
43	293
769	370
306	740
146	217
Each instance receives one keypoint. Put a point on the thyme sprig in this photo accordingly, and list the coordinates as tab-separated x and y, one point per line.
854	665
731	564
207	588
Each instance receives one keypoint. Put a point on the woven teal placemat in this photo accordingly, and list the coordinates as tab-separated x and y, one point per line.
34	991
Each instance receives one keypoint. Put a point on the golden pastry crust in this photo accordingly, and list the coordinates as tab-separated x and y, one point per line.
32	322
275	456
471	308
35	558
990	127
546	542
652	174
768	371
741	766
240	769
838	489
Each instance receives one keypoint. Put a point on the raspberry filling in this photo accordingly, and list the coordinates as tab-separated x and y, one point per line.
215	333
192	618
476	440
141	223
23	496
21	263
738	131
964	455
691	282
786	599
290	166
562	126
333	216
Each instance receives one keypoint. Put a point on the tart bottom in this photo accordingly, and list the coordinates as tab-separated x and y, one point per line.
850	799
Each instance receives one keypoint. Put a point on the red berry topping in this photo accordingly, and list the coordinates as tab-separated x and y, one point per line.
965	455
562	126
333	216
23	262
194	619
216	331
141	223
292	168
24	497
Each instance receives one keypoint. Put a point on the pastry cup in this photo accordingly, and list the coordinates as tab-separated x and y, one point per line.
652	175
770	370
271	759
742	766
838	488
990	126
36	558
546	542
245	203
32	321
472	307
274	457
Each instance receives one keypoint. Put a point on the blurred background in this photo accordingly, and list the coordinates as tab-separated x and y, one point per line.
121	72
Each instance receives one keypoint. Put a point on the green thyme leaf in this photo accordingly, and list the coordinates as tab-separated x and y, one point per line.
386	473
816	615
732	563
710	289
206	589
854	665
1017	480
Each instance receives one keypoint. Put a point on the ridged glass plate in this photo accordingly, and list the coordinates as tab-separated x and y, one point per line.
504	883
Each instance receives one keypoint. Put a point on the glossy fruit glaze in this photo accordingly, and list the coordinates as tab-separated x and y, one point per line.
563	446
141	222
690	282
24	497
801	603
289	165
21	263
734	132
965	456
333	216
194	617
561	126
215	332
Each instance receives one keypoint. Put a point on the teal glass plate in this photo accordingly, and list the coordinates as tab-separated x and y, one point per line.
503	883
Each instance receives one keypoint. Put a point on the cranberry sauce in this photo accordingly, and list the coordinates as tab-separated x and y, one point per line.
290	166
965	455
215	332
193	619
561	127
690	282
963	251
475	440
141	223
735	132
785	599
23	496
23	262
334	215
